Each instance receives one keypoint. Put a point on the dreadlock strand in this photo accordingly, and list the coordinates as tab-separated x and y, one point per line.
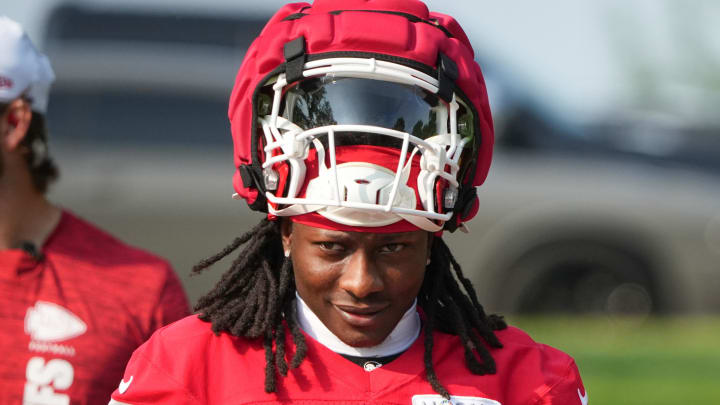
444	301
286	295
261	300
427	357
473	346
239	268
283	298
298	338
479	319
233	306
237	285
269	365
236	243
497	322
240	326
280	363
272	298
464	309
220	292
205	263
471	361
285	290
257	303
239	314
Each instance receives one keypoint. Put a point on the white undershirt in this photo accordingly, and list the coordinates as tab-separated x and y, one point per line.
402	337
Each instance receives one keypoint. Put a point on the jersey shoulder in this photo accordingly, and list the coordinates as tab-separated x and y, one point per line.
514	341
179	362
552	373
515	337
517	343
192	332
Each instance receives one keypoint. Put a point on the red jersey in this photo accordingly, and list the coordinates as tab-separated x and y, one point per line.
186	363
70	321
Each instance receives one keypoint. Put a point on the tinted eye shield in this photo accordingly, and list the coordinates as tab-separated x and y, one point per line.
332	100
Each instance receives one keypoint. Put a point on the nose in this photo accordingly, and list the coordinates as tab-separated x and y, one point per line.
360	276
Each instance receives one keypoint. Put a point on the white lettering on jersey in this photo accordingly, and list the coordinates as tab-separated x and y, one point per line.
50	322
454	400
583	398
54	348
43	379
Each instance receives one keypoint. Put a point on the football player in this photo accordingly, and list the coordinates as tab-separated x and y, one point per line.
362	128
74	301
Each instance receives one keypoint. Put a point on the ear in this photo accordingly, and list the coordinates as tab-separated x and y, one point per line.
286	233
15	123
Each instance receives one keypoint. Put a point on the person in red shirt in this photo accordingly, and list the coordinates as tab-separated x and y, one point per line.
74	301
362	128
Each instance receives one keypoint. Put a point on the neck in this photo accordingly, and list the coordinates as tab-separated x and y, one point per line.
402	337
25	214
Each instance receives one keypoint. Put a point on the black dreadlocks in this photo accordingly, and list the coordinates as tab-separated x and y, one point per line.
257	293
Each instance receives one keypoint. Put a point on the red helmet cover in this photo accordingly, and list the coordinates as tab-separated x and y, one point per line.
352	26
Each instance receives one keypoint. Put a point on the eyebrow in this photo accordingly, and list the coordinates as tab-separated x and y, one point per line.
381	237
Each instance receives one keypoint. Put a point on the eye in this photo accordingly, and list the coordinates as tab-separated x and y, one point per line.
331	246
392	248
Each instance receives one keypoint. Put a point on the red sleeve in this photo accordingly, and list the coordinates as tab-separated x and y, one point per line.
147	381
569	390
172	303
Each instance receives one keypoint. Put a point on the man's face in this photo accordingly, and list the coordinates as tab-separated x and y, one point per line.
358	283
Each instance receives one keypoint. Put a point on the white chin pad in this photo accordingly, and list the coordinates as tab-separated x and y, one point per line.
360	183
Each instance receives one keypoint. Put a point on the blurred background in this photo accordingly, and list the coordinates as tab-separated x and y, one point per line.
599	225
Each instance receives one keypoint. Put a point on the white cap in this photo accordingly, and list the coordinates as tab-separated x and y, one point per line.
23	69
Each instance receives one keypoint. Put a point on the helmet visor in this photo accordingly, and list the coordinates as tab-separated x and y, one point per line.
330	100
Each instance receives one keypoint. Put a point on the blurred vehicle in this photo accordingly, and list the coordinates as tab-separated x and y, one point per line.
569	220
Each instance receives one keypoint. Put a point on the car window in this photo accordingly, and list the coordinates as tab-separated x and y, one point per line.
116	116
129	76
70	23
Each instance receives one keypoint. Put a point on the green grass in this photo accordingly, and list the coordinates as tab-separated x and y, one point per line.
629	361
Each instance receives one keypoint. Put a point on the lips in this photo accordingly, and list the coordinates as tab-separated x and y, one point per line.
360	316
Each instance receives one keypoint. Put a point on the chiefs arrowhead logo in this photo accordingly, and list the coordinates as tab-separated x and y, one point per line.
50	322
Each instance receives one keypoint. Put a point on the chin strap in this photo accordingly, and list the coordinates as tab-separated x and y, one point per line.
447	75
252	178
422	223
466	200
294	53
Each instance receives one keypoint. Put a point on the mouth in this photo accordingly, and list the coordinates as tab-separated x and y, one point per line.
360	316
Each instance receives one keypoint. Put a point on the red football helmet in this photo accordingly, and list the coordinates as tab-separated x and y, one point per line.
368	114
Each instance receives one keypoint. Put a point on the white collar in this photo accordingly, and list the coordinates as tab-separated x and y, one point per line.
402	337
